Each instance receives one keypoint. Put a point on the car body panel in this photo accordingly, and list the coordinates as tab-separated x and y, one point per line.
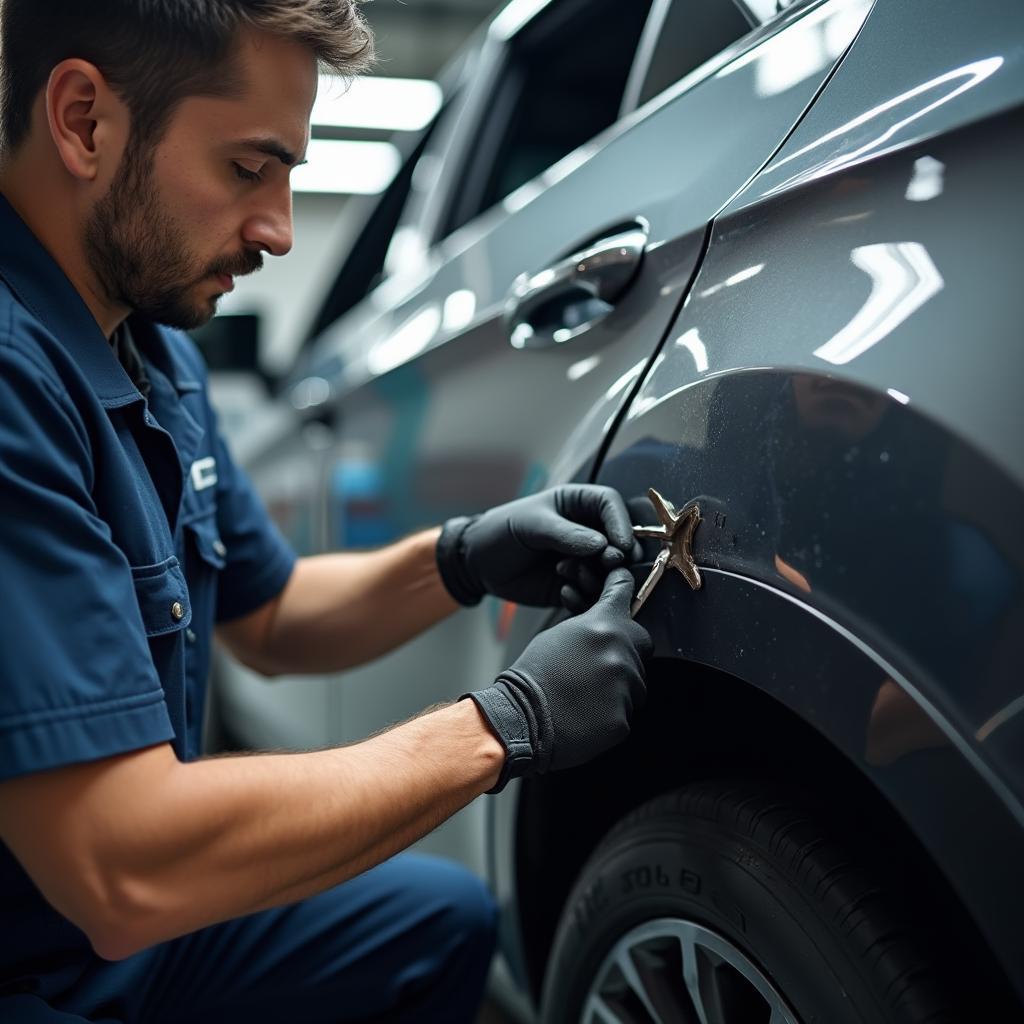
841	396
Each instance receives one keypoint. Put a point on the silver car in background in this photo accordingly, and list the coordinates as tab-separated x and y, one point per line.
765	258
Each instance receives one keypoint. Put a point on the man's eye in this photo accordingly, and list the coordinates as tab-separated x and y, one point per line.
245	174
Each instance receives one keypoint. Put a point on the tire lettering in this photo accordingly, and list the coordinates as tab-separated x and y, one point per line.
689	882
645	877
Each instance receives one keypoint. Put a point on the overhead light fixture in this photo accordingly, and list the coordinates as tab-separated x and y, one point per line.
356	168
386	104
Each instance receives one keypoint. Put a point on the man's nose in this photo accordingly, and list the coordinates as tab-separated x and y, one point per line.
270	227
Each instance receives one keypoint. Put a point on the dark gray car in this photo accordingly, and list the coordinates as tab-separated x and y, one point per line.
765	259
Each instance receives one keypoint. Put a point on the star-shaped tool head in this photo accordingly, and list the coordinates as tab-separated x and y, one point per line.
676	534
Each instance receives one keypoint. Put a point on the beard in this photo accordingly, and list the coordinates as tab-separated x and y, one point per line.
141	255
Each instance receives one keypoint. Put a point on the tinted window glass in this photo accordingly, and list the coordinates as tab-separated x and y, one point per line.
691	32
562	85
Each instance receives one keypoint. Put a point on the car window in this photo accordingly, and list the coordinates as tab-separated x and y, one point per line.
365	264
681	35
562	84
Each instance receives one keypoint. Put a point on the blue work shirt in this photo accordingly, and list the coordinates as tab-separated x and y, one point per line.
127	532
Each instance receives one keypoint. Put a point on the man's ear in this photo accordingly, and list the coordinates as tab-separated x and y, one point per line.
87	120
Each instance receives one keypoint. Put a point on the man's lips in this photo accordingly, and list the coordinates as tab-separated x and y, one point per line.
226	281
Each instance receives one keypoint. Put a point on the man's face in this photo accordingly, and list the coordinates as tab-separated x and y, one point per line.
184	218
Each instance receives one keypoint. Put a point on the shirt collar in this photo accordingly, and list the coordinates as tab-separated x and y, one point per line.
44	289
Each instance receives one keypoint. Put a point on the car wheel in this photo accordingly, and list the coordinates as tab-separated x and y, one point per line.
730	904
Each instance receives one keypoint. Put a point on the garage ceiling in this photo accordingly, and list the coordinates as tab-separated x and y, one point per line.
415	38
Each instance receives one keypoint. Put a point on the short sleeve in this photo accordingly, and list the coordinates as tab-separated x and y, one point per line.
259	560
77	679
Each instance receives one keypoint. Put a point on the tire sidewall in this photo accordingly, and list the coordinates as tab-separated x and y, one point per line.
692	870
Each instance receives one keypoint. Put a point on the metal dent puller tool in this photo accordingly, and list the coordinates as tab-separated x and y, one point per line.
675	532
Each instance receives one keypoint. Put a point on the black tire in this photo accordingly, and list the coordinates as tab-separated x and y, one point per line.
747	864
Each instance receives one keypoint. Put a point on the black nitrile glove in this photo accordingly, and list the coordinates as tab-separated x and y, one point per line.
571	694
514	551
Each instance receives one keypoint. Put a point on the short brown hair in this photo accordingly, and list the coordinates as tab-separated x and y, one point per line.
155	53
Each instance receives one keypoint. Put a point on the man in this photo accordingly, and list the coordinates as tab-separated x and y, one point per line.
146	151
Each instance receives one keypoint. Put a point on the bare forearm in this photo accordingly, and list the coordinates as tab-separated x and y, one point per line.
272	829
344	609
166	848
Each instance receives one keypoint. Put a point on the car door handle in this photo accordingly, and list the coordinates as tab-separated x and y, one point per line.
570	297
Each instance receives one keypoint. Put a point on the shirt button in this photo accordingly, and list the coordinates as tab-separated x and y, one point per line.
190	636
219	547
177	611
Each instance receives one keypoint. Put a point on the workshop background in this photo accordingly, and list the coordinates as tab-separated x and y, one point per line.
357	133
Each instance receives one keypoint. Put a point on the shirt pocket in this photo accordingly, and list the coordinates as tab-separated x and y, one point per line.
163	596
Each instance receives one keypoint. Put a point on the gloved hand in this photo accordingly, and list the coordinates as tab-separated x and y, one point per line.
516	550
571	694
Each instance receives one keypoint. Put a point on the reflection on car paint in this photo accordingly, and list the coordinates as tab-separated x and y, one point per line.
927	180
690	340
734	279
973	73
812	45
405	343
903	278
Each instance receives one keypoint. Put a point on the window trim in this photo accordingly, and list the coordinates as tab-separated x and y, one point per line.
758	34
500	56
649	44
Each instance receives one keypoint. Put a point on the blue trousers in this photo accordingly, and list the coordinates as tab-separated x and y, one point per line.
409	940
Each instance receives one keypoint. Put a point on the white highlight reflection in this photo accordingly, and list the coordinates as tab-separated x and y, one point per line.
408	341
631	375
966	78
898	395
459	309
738	278
804	48
790	58
408	248
692	343
903	278
582	367
927	180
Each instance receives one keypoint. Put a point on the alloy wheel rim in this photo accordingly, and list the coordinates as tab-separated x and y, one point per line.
672	971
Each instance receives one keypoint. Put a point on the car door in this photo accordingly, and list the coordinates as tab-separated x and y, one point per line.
437	412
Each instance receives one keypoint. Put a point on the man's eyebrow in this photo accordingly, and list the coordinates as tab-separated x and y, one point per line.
273	148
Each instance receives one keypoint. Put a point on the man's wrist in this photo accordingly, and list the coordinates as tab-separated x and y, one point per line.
492	751
451	562
512	723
